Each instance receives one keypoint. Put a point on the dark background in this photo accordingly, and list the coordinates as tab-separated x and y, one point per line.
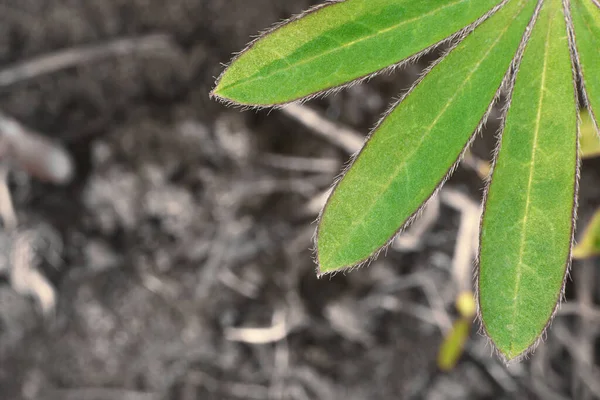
179	226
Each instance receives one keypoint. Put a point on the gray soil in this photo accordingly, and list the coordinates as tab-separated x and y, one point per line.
176	230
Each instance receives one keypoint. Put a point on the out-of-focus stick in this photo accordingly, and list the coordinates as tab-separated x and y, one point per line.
36	154
79	55
341	136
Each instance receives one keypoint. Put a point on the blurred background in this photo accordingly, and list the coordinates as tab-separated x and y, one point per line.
157	245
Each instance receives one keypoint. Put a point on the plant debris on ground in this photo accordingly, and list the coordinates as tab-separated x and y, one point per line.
179	254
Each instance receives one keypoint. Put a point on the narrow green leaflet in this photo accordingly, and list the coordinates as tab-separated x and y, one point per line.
589	245
586	22
453	345
410	153
528	221
339	43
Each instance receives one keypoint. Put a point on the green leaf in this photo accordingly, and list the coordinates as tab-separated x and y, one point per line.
410	153
586	23
453	345
338	43
589	142
454	342
590	242
527	225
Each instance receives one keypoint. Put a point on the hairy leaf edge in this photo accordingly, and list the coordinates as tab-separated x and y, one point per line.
482	328
578	69
455	37
506	84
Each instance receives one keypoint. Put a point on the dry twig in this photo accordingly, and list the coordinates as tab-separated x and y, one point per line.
301	164
81	55
36	154
341	136
26	279
586	336
465	249
7	210
411	239
276	332
97	394
246	391
43	159
590	375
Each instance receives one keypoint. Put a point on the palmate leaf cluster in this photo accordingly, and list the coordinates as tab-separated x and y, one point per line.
543	54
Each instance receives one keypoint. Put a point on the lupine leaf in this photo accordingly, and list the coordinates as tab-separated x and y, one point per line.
589	246
586	22
410	153
528	220
339	43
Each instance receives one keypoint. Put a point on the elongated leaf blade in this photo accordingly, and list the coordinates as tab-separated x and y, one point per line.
453	345
339	43
410	153
528	220
586	23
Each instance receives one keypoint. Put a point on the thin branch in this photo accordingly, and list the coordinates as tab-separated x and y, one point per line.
98	394
301	164
243	287
584	355
412	238
467	241
572	308
7	210
340	135
589	376
272	334
418	311
436	314
36	154
71	57
26	279
240	390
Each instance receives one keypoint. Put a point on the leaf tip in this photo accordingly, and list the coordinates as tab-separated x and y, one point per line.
213	94
512	352
217	94
327	264
508	350
222	95
511	356
324	268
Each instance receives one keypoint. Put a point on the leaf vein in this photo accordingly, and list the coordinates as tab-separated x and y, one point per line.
357	222
344	46
521	264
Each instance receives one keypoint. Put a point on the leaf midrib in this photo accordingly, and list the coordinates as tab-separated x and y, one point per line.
520	263
357	222
339	48
587	25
